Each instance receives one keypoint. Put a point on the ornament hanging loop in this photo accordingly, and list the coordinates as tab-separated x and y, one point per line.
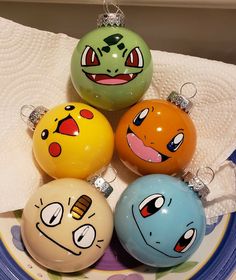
197	183
32	115
111	18
180	99
107	5
187	85
25	112
206	174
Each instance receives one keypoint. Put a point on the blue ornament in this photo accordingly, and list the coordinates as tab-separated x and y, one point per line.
159	220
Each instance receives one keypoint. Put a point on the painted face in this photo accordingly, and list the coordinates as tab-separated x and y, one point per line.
159	220
111	67
73	140
63	225
155	136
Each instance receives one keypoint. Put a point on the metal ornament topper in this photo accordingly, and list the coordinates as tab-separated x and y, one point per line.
197	184
180	100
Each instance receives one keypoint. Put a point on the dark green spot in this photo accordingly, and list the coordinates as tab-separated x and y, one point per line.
106	49
113	39
121	46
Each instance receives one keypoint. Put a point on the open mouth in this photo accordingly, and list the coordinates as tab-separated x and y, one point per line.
67	126
145	239
54	241
104	79
142	151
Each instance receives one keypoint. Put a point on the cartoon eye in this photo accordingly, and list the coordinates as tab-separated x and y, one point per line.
84	236
51	214
151	205
69	107
175	142
135	58
140	117
44	134
186	240
89	57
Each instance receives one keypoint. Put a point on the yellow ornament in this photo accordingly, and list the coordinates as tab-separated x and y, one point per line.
71	140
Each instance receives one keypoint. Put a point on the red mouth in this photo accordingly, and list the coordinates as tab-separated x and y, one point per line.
68	126
142	151
104	79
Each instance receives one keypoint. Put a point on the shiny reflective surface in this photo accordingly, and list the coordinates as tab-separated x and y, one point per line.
155	136
73	140
159	220
63	225
111	67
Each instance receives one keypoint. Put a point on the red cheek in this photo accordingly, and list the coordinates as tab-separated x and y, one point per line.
86	114
54	149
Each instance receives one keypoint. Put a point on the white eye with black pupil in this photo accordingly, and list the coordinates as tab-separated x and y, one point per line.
141	117
175	142
51	214
186	240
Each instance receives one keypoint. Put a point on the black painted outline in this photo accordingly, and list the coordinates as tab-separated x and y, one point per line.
73	236
86	54
164	157
129	55
178	144
46	207
61	246
160	195
175	257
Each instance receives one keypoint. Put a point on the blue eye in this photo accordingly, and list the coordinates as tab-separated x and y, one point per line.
175	142
140	117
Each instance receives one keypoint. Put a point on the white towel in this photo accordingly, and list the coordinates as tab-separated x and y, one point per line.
35	69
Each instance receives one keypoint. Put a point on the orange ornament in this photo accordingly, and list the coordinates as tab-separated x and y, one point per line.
155	136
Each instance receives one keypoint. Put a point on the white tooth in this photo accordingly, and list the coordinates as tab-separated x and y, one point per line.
131	75
40	234
94	76
68	253
150	160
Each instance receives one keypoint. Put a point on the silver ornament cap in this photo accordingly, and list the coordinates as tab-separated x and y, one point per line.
196	184
111	19
35	116
180	101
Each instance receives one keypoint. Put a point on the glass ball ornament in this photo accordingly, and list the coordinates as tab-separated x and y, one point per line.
71	140
155	136
111	66
159	220
63	225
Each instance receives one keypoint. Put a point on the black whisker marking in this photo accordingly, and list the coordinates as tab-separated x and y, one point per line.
101	240
98	246
123	55
36	206
100	52
69	200
189	224
91	216
169	202
41	201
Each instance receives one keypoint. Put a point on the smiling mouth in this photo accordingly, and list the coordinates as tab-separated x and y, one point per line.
142	151
54	241
105	79
67	126
146	240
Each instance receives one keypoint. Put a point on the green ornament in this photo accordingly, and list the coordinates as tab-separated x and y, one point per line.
111	66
